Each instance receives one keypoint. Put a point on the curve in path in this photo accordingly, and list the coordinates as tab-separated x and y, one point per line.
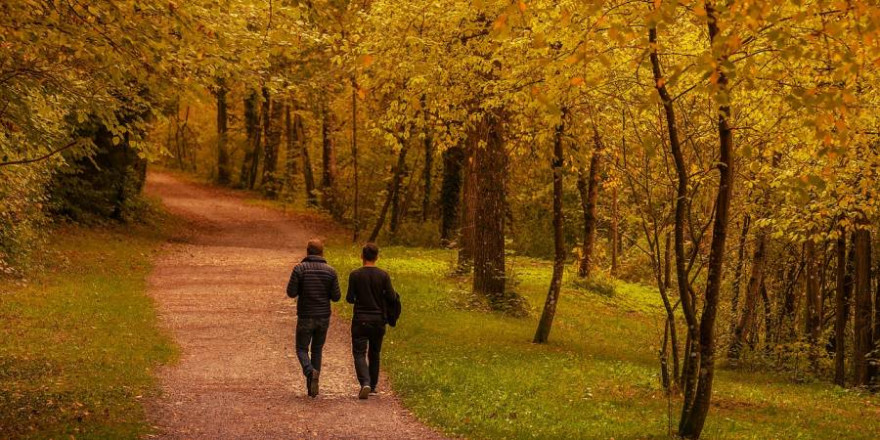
220	292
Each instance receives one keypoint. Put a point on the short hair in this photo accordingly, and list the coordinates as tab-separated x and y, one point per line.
315	247
370	252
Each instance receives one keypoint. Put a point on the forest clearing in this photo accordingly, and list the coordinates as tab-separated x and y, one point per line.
604	219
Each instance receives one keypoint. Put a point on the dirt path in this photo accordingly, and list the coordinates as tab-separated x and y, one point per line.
220	291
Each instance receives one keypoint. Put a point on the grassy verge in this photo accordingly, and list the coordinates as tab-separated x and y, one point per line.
79	340
478	375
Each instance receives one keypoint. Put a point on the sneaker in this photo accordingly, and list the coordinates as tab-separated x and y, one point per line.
365	392
373	390
313	383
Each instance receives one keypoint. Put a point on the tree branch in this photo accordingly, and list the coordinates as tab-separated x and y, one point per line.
41	158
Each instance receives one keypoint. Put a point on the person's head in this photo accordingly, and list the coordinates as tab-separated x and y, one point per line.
315	247
370	253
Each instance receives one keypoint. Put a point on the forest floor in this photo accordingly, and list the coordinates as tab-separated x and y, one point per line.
220	291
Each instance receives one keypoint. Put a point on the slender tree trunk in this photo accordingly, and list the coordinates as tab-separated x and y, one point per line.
177	133
615	232
328	150
400	172
746	321
356	216
393	187
223	171
768	315
691	424
812	320
272	111
542	334
308	174
491	165
841	305
427	178
450	193
737	276
292	155
690	369
589	192
667	261
786	313
252	128
863	342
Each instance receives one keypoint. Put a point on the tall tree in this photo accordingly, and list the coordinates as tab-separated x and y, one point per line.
844	278
450	193
490	161
252	153
272	113
223	171
588	187
292	153
863	342
542	334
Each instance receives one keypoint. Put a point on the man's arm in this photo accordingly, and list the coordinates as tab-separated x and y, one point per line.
350	296
293	284
335	294
389	291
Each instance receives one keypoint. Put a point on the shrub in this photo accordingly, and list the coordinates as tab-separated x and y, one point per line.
22	198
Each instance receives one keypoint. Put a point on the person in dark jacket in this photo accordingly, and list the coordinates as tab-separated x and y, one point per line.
315	283
370	290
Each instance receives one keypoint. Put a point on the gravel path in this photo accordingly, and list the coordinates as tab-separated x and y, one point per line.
219	289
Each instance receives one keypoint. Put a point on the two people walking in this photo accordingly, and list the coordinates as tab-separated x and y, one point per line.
315	284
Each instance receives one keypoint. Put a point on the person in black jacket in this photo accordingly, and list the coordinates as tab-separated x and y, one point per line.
315	283
370	290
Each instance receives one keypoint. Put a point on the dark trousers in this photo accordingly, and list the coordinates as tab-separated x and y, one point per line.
310	332
366	345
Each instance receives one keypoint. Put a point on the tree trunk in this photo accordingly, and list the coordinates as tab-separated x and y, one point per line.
841	305
746	321
691	424
812	320
223	171
450	193
356	216
615	232
690	369
542	334
491	165
589	192
427	178
393	187
308	174
400	172
252	128
328	151
272	111
863	342
469	206
768	315
737	276
292	155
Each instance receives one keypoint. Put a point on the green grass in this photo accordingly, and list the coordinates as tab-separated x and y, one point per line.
79	341
478	375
